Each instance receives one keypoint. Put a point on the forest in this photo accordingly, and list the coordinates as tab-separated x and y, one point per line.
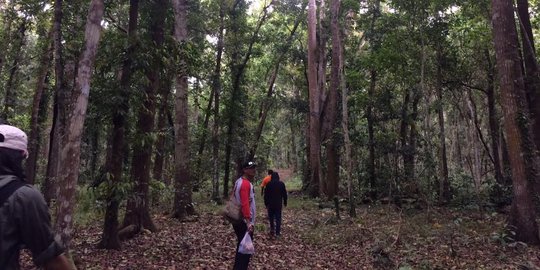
405	131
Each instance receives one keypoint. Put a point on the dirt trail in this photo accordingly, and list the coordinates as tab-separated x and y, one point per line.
285	174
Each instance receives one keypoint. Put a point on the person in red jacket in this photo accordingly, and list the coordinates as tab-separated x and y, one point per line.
245	196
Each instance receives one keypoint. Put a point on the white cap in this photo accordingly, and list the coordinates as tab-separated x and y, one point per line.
13	138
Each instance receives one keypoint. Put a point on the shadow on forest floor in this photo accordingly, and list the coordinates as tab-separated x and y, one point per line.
381	237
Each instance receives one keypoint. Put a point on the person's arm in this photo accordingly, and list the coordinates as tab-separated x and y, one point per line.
266	197
284	194
245	189
244	199
263	184
34	225
60	262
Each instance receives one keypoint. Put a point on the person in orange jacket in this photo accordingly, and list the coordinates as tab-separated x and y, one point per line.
265	181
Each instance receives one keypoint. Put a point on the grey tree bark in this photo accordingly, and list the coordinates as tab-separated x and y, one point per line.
183	205
314	103
70	158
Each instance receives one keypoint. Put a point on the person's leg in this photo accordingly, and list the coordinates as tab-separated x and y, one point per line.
241	261
271	218
278	221
239	230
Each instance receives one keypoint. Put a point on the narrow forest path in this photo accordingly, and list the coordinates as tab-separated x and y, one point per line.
285	174
382	237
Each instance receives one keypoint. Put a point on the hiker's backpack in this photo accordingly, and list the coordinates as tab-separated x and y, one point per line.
7	190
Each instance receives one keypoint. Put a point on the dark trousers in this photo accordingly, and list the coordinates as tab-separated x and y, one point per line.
241	261
274	216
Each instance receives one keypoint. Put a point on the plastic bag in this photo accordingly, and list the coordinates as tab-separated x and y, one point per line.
246	246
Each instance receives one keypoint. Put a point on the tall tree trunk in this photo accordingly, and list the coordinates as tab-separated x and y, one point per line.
444	183
405	148
332	170
34	137
49	184
493	122
513	100
71	153
347	155
216	85
227	171
94	153
235	55
59	108
295	164
236	74
159	156
476	159
459	142
137	215
306	167
202	142
348	152
471	105
532	76
322	40
183	205
115	161
162	128
408	134
331	106
11	84
413	134
371	138
314	103
197	170
471	144
375	41
410	153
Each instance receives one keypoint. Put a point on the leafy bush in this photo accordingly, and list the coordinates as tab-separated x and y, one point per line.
465	193
89	208
161	195
504	236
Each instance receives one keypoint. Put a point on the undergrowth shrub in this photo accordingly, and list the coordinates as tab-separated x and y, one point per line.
89	207
465	193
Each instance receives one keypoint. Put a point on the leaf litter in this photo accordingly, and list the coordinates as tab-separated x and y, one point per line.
381	237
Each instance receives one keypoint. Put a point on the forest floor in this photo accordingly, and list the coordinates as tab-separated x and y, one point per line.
380	237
